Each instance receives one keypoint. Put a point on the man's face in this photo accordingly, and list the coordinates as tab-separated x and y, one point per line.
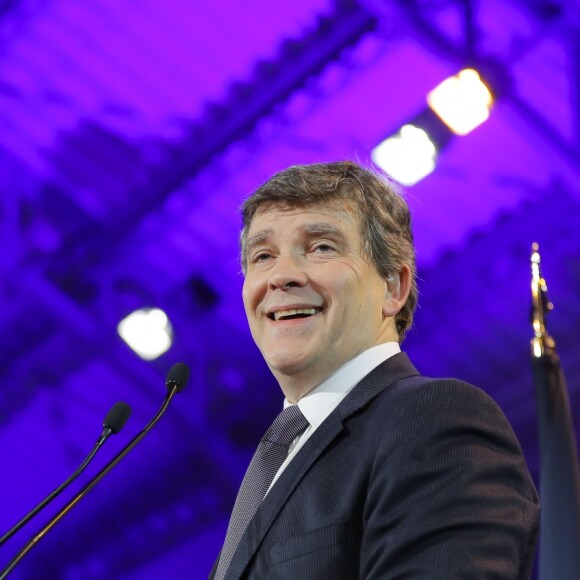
312	298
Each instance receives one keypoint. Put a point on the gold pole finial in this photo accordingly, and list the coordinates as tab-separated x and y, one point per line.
540	306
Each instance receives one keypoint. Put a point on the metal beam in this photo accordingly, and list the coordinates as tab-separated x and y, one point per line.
248	102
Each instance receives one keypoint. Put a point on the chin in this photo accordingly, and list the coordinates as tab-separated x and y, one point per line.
286	363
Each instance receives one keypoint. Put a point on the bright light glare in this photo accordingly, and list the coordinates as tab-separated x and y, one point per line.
147	331
408	156
462	102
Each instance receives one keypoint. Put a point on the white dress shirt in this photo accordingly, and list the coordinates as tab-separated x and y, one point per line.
317	405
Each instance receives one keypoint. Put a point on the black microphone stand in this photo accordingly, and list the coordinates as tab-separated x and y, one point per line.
173	387
114	422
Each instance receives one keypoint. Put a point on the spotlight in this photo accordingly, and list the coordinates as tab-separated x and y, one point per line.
147	331
455	107
462	101
408	156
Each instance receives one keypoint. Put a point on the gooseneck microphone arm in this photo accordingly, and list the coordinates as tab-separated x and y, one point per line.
113	423
176	380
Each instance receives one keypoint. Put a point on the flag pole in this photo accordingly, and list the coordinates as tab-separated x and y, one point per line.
559	553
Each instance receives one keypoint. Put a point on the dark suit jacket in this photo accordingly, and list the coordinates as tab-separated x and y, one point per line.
409	477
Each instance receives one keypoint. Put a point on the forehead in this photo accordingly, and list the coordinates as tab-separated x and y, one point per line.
339	213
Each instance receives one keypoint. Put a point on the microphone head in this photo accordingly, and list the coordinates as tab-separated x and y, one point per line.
117	417
177	376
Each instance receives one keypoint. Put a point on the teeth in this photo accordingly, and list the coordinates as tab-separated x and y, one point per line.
285	313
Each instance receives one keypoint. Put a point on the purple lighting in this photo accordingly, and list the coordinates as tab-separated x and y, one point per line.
130	132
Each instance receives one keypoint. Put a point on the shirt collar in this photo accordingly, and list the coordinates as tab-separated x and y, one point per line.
322	400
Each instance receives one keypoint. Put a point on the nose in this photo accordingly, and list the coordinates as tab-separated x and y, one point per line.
288	272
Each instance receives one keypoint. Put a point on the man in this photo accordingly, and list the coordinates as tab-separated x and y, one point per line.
391	475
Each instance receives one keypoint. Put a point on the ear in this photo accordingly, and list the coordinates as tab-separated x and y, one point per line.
397	288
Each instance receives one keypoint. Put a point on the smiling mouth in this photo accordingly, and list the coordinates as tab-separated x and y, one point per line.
293	314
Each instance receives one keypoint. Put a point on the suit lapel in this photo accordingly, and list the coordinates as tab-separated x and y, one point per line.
378	380
279	494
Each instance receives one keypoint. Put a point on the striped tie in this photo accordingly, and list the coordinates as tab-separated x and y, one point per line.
269	456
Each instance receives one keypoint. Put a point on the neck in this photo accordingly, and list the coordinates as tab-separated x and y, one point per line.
297	386
301	382
297	382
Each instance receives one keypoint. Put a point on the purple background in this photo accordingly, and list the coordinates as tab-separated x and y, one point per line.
130	132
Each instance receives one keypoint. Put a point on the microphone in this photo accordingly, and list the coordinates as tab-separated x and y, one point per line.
113	423
175	381
116	418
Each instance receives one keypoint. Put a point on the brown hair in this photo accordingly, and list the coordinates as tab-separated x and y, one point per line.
383	213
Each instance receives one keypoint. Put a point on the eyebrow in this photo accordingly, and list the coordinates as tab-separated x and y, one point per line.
317	229
324	229
257	239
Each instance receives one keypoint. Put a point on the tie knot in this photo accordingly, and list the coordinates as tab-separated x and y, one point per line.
287	426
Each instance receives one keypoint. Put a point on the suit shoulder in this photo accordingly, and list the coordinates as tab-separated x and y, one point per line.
426	390
426	403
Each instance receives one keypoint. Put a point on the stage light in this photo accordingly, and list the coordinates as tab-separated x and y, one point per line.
407	156
462	101
455	107
147	331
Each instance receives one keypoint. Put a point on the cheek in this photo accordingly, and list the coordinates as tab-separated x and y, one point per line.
251	294
246	296
358	303
348	291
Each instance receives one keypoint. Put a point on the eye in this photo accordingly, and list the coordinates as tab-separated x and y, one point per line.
261	257
323	248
